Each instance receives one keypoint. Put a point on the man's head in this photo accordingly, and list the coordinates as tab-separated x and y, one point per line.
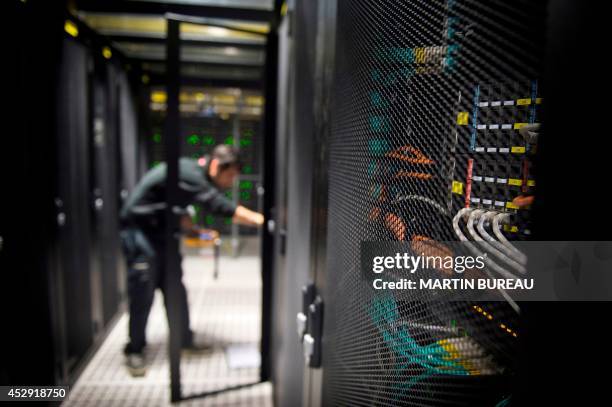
224	166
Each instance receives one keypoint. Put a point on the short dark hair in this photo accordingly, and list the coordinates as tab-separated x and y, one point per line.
228	156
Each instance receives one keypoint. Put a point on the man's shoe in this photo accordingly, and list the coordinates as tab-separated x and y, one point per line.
197	348
135	363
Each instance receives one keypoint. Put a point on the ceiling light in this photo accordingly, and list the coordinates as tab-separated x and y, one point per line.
217	31
231	51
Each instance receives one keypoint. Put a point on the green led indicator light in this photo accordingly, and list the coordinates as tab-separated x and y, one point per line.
209	219
227	221
208	140
196	215
245	195
193	139
157	138
245	143
246	185
229	141
247	169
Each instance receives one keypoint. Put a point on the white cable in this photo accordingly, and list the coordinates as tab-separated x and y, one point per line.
530	132
462	212
470	224
506	296
456	226
472	231
492	264
495	247
519	255
483	232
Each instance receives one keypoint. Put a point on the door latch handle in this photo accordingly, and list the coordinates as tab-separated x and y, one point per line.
302	323
313	339
308	296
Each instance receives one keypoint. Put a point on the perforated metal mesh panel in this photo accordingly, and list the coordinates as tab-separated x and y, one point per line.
429	96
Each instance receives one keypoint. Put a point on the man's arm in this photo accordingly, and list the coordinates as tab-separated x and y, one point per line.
245	216
217	203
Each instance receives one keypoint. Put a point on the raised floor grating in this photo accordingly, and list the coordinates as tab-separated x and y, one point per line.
225	311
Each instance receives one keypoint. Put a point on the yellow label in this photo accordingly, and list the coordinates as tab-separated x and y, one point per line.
508	228
518	149
510	205
531	183
516	182
457	187
539	101
518	126
463	118
158	96
523	102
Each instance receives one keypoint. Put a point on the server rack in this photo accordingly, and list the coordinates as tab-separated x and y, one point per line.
88	281
73	212
437	91
428	100
72	106
27	214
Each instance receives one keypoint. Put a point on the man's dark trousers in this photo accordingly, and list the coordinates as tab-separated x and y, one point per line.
146	258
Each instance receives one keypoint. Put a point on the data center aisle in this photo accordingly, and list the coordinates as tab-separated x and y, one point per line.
225	311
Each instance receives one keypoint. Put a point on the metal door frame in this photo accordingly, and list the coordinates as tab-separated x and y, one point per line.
323	108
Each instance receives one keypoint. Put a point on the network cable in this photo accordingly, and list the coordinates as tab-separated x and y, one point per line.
494	241
521	257
494	246
460	214
472	231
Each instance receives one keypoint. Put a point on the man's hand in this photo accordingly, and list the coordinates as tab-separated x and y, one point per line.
187	225
245	216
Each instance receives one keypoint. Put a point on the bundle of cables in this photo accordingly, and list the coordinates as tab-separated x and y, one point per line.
484	236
